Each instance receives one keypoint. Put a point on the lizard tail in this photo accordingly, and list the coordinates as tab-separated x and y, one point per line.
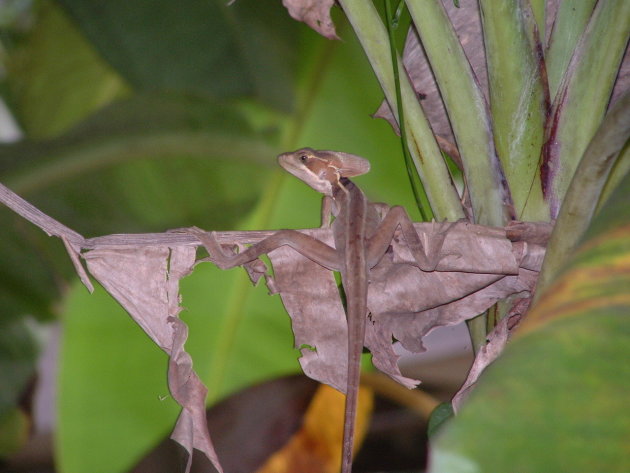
354	375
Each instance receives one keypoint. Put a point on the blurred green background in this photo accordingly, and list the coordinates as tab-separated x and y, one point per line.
148	115
141	116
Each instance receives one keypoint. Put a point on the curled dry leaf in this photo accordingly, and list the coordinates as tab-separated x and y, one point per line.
257	269
497	339
479	266
74	252
310	295
410	322
315	13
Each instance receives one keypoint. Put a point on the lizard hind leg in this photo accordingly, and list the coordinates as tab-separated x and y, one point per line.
435	239
426	251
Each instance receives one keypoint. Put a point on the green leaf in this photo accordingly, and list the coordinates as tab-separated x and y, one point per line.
14	432
149	163
586	188
583	96
114	377
540	14
55	77
101	348
197	46
571	19
439	416
617	173
556	400
18	355
517	100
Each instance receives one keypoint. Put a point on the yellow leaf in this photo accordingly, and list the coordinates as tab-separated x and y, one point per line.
316	447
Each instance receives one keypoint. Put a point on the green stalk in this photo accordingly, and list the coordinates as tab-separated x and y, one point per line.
422	145
467	111
584	93
571	19
586	187
417	188
517	100
538	9
472	127
617	173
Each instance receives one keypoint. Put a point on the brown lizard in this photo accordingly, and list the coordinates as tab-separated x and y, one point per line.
361	238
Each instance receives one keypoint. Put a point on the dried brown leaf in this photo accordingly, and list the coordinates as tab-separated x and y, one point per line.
74	252
407	315
145	281
532	232
191	429
467	248
310	295
315	13
497	339
257	269
479	267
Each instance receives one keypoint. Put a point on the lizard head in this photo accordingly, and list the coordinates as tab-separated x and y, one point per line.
322	169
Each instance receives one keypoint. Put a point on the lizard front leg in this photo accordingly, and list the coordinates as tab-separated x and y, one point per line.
327	211
427	254
306	245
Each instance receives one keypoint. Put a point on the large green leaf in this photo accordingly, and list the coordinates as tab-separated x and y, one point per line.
55	77
113	375
556	400
199	46
604	153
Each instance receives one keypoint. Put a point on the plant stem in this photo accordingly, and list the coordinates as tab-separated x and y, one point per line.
421	143
417	188
583	194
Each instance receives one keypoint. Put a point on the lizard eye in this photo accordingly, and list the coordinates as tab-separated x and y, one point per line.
303	158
